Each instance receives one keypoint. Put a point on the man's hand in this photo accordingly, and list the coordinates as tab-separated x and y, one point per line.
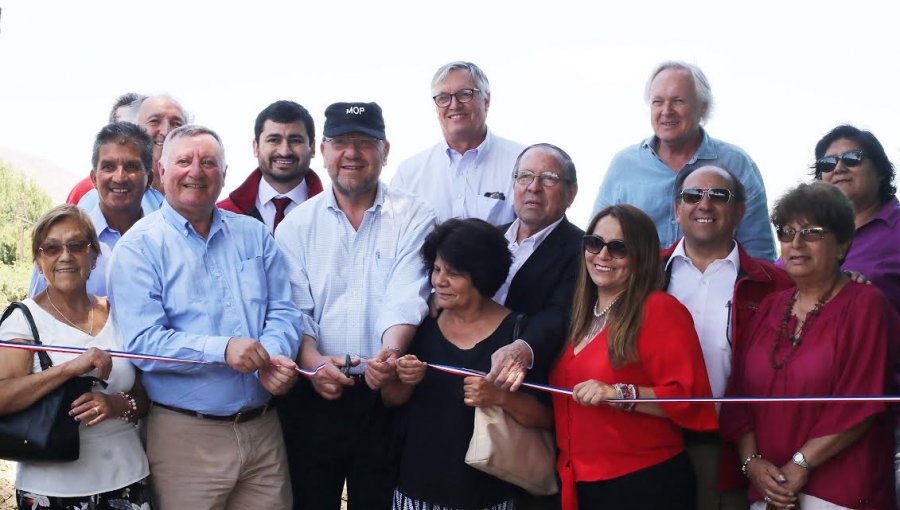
381	369
330	382
277	380
509	365
246	355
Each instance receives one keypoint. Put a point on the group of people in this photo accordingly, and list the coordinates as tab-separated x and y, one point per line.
465	259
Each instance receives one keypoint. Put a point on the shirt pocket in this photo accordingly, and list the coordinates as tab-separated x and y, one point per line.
253	281
488	209
381	271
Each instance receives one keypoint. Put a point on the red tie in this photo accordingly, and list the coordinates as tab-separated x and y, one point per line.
280	205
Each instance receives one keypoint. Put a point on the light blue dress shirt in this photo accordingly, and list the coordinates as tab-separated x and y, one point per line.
352	285
174	293
638	176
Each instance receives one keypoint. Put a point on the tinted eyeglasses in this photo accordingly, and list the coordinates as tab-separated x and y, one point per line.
851	159
360	143
716	195
809	234
56	249
594	244
463	96
547	179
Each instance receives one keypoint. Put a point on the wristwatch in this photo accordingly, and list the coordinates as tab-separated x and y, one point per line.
800	460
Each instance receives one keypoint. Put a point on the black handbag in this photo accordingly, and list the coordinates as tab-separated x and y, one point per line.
44	431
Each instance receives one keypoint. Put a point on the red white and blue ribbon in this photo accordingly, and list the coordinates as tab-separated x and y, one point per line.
131	355
732	400
469	372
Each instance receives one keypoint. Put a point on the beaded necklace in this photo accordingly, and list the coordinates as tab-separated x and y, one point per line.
797	339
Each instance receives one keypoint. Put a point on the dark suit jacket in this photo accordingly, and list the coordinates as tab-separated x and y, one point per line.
543	288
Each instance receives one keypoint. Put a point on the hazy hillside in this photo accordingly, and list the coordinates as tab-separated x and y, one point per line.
54	180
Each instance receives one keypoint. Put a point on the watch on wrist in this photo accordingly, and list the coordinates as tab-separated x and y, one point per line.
800	460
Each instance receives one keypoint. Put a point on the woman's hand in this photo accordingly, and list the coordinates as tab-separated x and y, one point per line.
479	392
593	392
771	483
92	359
95	407
410	370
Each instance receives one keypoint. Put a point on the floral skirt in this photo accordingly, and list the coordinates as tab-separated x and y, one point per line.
404	502
133	497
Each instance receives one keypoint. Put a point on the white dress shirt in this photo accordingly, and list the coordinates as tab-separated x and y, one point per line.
352	285
708	296
266	193
521	252
477	184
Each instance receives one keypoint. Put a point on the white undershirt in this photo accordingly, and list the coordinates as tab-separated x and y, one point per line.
266	193
521	252
708	296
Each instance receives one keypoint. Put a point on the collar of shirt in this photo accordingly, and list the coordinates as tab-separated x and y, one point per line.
266	193
705	151
184	226
889	213
483	148
332	204
679	254
513	231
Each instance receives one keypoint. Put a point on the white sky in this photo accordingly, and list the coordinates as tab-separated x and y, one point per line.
571	73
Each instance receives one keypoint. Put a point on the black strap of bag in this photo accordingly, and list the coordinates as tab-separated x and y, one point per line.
18	305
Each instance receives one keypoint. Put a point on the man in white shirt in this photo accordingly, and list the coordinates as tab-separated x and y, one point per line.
285	143
356	274
467	174
722	286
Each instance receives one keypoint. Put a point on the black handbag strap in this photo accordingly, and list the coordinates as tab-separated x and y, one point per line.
17	305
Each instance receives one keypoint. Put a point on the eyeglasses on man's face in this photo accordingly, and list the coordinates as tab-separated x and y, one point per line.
546	179
462	96
361	143
716	195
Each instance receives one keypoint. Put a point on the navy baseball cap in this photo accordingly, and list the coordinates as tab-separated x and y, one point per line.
343	118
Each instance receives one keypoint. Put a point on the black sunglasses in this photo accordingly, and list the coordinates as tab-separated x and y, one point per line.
851	159
809	234
695	195
594	244
73	247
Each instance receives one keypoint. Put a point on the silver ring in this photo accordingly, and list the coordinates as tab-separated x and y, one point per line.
97	410
767	499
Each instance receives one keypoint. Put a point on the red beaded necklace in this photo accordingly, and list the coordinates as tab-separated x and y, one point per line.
797	339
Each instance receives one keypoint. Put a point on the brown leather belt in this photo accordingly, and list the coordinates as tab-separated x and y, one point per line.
238	417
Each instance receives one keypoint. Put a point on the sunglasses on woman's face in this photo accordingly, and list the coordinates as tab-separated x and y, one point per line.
56	249
594	244
716	195
851	159
809	234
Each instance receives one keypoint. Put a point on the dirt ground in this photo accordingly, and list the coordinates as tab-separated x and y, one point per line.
7	482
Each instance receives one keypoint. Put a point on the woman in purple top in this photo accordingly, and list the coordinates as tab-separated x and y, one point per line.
827	336
854	161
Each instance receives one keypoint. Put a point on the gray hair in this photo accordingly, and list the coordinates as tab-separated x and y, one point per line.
190	131
478	76
127	100
701	84
131	113
570	177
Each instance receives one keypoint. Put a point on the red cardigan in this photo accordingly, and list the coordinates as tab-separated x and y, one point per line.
243	199
600	442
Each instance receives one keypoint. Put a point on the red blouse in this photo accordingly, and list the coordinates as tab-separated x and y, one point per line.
601	442
848	350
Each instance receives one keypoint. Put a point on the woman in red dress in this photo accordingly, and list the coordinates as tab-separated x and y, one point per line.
627	339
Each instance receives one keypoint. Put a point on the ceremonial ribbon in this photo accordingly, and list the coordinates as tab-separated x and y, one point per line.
131	355
732	400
